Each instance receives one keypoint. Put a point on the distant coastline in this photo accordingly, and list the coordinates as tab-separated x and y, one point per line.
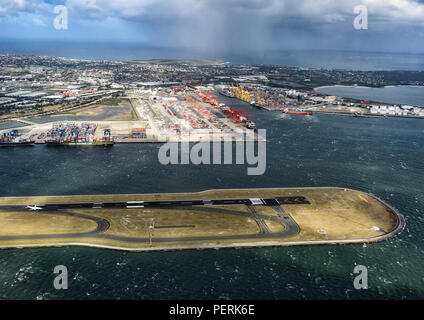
397	94
364	87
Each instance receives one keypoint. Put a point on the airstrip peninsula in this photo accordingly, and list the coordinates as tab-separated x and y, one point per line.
207	219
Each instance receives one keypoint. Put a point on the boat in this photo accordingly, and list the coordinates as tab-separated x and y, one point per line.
12	139
296	112
256	104
227	94
250	124
80	143
22	143
361	115
357	115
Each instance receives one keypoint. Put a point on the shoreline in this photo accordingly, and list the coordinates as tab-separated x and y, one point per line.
367	115
362	96
365	87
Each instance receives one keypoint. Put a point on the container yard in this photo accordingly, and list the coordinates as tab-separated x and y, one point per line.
186	115
164	114
270	98
75	134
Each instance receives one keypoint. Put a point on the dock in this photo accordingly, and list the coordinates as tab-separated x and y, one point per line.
162	116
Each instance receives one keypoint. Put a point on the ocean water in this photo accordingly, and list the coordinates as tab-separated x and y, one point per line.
335	59
409	95
327	59
380	156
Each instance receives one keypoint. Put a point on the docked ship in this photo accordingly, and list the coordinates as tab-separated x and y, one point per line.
69	134
12	139
296	112
16	143
256	104
99	142
237	116
250	124
226	93
361	115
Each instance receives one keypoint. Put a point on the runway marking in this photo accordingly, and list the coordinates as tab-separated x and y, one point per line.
256	201
183	226
360	196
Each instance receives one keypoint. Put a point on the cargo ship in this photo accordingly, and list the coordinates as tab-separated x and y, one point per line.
296	112
12	139
101	142
21	143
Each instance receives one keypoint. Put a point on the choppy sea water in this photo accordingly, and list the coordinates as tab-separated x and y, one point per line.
380	156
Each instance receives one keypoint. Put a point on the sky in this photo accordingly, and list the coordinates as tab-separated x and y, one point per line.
218	26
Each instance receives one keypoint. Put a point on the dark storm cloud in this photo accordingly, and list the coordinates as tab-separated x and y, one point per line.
254	25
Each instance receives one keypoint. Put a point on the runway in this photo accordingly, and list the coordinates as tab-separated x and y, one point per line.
290	226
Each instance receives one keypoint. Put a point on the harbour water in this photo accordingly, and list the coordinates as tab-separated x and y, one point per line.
409	95
380	156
